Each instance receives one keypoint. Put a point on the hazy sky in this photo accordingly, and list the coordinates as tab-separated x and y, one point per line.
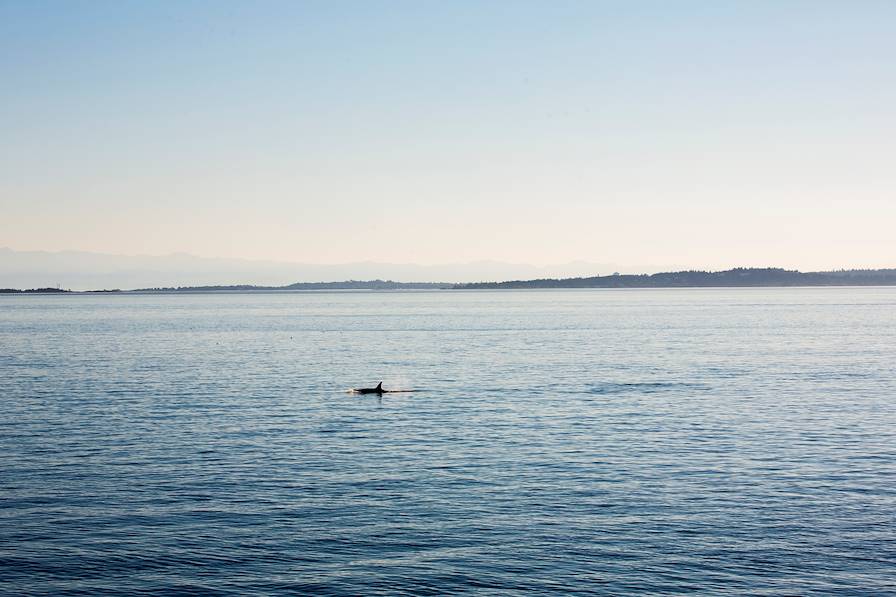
709	133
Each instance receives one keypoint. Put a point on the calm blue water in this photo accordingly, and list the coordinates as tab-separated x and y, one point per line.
638	441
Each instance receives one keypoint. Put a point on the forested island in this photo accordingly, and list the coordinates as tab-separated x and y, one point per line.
743	277
32	291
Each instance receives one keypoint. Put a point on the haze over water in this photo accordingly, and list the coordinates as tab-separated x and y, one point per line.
654	441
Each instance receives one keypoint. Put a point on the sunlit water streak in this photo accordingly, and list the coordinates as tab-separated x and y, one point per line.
642	441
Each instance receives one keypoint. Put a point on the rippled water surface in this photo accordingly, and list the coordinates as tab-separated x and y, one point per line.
598	441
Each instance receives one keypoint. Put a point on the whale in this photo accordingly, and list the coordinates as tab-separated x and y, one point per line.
378	390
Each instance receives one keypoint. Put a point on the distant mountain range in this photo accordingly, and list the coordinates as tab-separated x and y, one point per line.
346	285
83	271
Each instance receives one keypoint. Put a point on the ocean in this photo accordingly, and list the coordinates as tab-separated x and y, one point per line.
708	441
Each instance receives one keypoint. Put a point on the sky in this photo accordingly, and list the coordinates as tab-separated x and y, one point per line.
705	134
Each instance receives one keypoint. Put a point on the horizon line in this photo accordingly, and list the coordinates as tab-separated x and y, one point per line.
830	276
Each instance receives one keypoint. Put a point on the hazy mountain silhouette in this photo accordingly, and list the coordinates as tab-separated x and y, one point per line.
80	270
88	271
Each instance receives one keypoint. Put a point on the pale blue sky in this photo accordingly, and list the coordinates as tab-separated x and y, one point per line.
708	134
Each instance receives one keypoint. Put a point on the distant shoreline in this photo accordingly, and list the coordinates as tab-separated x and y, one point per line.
733	278
34	291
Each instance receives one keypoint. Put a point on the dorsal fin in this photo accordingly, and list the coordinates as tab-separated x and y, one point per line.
379	386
